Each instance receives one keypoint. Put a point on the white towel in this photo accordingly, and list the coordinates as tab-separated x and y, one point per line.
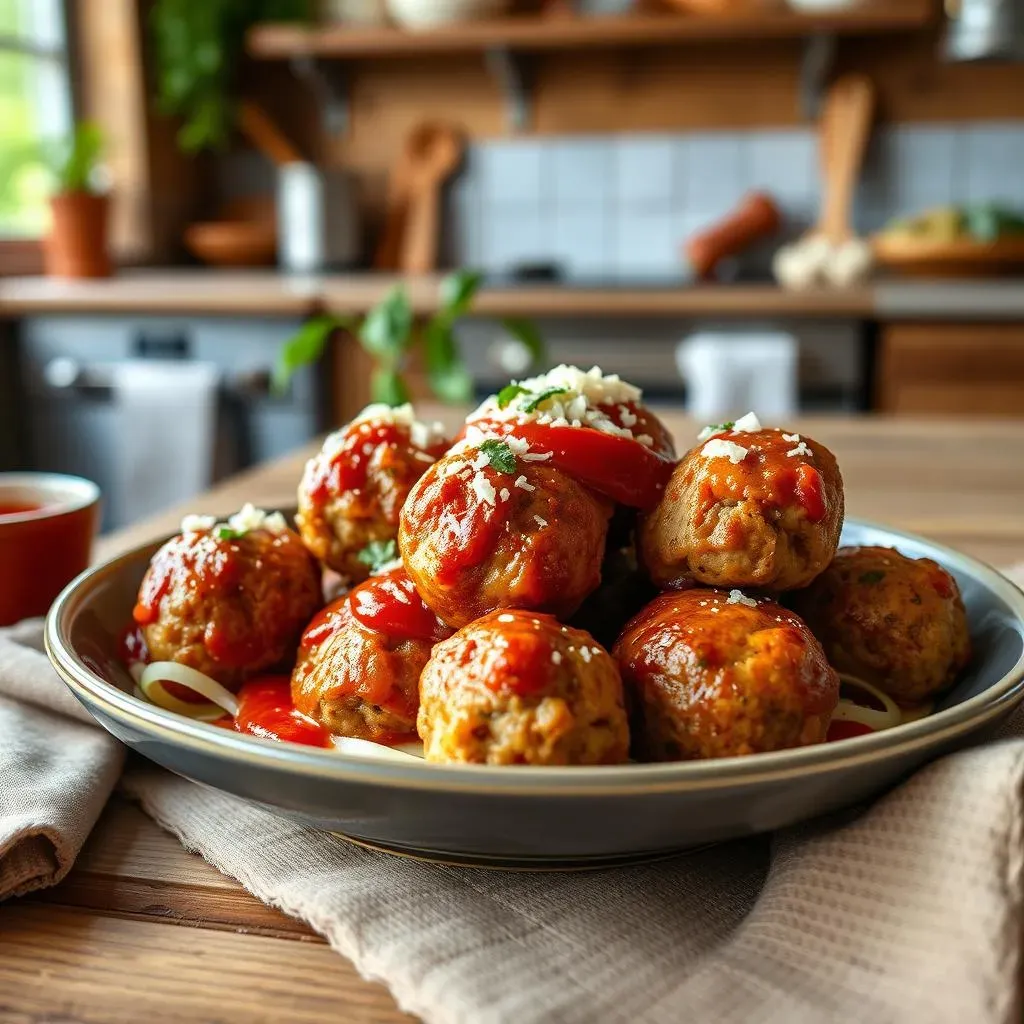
166	426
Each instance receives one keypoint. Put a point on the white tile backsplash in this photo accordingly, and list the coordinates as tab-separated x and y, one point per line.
624	204
644	171
583	172
583	240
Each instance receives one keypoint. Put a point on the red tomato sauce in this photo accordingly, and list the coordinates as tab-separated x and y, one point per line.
200	557
624	470
347	470
767	475
266	710
390	604
840	730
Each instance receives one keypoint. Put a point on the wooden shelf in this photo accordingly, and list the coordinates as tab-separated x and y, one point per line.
533	33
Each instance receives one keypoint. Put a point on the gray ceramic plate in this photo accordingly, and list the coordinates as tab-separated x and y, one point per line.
541	816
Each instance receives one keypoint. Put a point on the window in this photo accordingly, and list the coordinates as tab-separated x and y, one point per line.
35	108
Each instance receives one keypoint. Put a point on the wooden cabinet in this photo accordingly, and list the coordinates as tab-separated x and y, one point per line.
951	369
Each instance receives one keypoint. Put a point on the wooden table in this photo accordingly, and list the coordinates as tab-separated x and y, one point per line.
141	930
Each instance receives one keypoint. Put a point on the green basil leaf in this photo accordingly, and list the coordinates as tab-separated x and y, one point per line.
446	373
457	292
872	576
499	455
547	393
387	329
510	392
526	333
304	347
387	386
378	553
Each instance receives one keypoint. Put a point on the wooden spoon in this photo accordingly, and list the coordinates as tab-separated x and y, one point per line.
265	135
847	127
435	151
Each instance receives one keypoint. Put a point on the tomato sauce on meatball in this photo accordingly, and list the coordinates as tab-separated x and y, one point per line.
517	687
718	674
896	622
746	508
485	528
353	489
228	602
360	660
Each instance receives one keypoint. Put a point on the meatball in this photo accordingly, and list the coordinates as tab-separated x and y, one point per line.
229	600
517	687
717	674
352	490
894	621
746	508
360	680
486	529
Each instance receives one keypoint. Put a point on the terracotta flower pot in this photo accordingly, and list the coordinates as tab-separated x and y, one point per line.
77	243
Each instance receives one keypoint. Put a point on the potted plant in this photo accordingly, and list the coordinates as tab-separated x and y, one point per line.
390	333
76	245
198	46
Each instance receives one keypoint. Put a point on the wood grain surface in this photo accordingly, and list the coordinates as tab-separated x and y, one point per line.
143	931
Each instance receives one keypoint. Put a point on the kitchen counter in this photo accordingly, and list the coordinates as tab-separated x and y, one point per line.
134	887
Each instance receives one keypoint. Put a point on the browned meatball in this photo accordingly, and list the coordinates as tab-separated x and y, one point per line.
746	508
226	601
894	621
475	536
718	674
516	687
360	676
353	489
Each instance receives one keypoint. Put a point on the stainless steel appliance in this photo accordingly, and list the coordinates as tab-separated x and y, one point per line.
73	421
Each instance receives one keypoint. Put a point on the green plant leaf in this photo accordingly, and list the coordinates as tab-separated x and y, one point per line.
387	386
82	157
453	385
304	347
378	553
547	393
499	455
228	533
457	292
387	329
527	334
509	393
446	373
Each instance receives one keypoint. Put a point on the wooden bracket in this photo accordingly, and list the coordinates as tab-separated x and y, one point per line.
513	74
329	84
815	67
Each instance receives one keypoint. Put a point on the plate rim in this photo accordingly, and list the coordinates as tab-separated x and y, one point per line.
570	781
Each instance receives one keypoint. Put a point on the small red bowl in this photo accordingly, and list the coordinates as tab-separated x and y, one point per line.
47	525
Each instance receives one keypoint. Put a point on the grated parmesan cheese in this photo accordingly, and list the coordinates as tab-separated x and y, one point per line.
385	567
748	424
738	597
792	438
582	401
197	524
800	449
522	482
537	456
585	654
506	618
504	494
717	448
248	517
540	522
556	657
483	488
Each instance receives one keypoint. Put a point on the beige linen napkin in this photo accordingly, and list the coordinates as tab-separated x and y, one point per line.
56	768
907	911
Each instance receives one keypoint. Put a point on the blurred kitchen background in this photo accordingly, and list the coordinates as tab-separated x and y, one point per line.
791	205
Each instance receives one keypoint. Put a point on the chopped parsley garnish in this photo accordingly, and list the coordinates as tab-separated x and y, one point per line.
718	428
510	392
228	533
378	553
873	576
547	393
499	455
